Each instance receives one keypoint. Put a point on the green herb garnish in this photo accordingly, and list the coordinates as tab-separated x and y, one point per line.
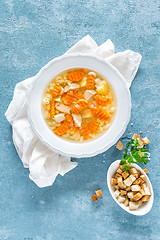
132	154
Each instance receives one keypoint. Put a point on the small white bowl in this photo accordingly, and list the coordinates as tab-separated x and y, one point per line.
145	207
106	140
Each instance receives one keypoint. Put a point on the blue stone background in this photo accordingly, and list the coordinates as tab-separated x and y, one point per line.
31	34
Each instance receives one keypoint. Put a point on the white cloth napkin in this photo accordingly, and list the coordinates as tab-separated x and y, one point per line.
44	165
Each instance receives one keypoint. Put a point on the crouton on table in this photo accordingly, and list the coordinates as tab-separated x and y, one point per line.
94	198
99	193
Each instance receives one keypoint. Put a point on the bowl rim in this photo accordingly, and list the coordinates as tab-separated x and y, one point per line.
116	138
133	212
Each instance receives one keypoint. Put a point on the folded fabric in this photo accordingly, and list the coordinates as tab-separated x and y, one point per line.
44	165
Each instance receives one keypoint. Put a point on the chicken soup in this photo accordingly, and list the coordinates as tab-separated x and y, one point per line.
79	104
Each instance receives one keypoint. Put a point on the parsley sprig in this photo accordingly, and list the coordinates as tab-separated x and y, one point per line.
132	154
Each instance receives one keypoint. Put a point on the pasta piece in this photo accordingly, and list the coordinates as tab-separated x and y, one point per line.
78	96
52	109
93	126
69	98
102	114
93	106
62	129
69	119
76	75
90	82
56	90
93	74
80	105
102	100
85	131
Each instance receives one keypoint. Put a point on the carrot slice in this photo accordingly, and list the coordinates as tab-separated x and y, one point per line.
102	114
69	119
103	100
52	109
78	96
80	105
90	82
56	90
93	126
93	106
62	129
85	131
69	98
76	75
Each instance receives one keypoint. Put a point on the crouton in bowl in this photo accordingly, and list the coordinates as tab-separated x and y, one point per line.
59	112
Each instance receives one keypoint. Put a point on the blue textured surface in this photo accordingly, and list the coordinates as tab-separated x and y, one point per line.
32	33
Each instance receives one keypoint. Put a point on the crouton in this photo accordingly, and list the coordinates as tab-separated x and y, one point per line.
143	185
99	193
128	189
133	171
119	145
133	205
116	187
130	195
136	175
140	142
145	140
120	181
137	181
145	198
126	202
135	136
116	193
120	171
139	173
121	199
94	198
123	186
117	175
137	196
123	192
142	192
125	175
113	181
135	188
133	178
142	181
143	178
146	170
128	181
147	191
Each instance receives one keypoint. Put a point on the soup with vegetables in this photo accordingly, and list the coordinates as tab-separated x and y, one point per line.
78	104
